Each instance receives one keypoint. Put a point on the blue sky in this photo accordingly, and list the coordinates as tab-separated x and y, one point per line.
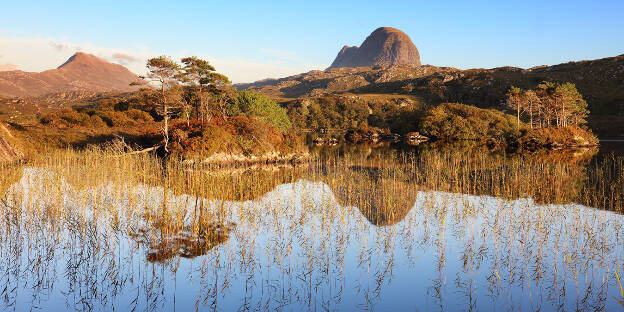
252	39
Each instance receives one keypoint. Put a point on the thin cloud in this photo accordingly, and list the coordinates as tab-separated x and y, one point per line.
126	58
59	46
41	53
8	66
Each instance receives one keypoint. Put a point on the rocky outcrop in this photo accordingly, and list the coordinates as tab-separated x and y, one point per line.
81	72
326	141
345	56
9	151
373	135
385	47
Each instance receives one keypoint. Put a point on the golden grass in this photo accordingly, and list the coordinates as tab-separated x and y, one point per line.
100	209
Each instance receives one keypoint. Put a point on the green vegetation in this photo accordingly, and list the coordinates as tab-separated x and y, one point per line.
341	112
237	135
96	118
558	137
452	121
328	113
258	105
550	104
194	113
600	81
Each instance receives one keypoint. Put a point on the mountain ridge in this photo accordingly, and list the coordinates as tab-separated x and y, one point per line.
81	72
600	81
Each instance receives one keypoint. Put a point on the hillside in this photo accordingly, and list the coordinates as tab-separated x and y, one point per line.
335	80
600	81
9	151
81	72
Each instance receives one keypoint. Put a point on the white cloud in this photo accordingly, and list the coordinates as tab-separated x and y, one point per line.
39	54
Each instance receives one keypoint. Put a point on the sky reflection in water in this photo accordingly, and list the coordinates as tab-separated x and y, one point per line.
303	246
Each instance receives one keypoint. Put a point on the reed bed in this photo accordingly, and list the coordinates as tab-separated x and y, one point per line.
371	229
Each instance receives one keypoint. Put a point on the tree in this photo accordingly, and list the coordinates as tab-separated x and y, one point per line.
561	103
546	92
165	72
515	100
199	74
533	102
573	107
223	93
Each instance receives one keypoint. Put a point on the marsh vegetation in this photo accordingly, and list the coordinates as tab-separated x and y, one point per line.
357	227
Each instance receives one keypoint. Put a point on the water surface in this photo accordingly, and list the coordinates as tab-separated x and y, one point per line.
370	229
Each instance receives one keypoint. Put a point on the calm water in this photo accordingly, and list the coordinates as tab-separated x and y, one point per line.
367	233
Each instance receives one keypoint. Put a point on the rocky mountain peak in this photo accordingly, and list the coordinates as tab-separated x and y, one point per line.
385	47
82	58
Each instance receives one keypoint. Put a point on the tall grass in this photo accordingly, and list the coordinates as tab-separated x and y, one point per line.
117	228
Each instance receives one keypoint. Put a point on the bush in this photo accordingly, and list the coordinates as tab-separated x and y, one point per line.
332	112
71	118
558	137
397	114
97	122
397	119
453	121
139	115
115	119
236	135
255	104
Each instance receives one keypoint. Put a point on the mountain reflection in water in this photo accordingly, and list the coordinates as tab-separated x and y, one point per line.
344	236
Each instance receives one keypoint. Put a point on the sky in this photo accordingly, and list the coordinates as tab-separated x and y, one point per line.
252	40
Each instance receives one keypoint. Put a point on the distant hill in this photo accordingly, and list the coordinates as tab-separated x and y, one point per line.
81	72
601	82
386	46
333	80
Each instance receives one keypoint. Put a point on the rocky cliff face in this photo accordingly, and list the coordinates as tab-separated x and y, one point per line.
386	46
8	149
81	72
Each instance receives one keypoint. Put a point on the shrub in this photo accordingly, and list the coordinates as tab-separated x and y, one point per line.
97	122
71	118
332	112
255	104
453	121
115	119
139	115
236	135
554	137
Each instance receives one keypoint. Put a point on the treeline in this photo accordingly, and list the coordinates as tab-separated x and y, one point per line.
342	112
549	105
454	121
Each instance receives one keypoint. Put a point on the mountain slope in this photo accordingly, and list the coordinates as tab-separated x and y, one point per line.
601	82
81	72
